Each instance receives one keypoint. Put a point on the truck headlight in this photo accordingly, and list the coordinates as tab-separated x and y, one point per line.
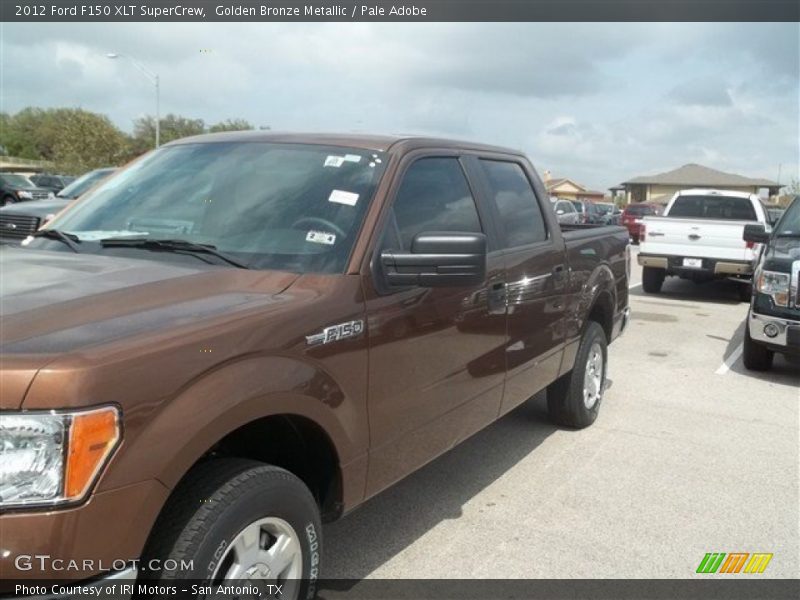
54	458
24	194
775	285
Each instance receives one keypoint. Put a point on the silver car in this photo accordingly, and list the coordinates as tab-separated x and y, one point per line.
566	212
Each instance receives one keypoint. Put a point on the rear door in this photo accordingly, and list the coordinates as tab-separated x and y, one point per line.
437	355
535	275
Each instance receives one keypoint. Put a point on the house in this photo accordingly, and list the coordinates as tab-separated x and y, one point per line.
568	189
660	188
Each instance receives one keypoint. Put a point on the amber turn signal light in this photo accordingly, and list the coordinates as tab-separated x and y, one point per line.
93	436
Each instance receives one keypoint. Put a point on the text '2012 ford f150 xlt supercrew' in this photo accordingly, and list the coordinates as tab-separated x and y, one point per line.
240	335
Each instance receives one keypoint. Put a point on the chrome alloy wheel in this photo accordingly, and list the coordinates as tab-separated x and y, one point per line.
593	376
265	552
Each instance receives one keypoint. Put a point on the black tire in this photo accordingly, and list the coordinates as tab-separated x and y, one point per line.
755	356
212	505
653	279
635	240
565	401
745	292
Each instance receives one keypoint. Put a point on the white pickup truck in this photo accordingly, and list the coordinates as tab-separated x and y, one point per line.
699	237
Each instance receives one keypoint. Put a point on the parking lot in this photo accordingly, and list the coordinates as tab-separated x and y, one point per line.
691	454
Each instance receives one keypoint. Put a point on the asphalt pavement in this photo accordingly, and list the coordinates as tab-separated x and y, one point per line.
691	454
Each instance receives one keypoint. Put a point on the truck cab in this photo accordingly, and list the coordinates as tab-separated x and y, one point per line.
773	321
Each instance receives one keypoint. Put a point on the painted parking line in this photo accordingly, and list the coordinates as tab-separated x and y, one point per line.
730	361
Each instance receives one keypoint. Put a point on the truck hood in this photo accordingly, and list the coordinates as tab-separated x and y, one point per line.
37	208
52	303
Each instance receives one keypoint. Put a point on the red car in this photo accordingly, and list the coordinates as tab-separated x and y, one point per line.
633	214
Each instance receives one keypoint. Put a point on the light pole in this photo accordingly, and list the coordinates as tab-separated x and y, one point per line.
153	77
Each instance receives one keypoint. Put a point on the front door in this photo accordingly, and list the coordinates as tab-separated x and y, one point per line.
436	357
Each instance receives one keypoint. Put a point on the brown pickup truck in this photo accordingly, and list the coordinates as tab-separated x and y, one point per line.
242	335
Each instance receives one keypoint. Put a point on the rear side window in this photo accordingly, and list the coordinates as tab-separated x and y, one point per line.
713	207
519	211
433	196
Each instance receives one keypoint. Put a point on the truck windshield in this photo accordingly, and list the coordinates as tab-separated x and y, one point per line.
713	207
789	225
295	207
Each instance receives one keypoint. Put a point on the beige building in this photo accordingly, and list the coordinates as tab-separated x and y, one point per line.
660	188
569	190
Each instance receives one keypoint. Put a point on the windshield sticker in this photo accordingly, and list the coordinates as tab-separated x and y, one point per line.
341	197
334	161
352	158
321	237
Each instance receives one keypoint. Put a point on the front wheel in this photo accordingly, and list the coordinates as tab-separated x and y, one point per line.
234	519
755	356
574	399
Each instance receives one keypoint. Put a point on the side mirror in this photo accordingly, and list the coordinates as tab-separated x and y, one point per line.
438	259
755	233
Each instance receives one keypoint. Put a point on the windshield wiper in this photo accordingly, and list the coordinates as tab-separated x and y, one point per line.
70	239
182	246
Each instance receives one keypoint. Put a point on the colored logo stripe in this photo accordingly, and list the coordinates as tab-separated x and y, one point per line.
734	562
711	562
758	562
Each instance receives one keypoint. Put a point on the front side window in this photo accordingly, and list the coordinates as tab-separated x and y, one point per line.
295	207
789	225
519	211
433	196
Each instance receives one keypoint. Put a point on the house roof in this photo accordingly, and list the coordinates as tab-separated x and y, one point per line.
698	175
557	181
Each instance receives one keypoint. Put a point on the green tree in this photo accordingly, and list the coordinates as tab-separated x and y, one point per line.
231	125
173	127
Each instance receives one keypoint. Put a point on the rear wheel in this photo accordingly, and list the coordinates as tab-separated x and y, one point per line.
574	399
235	519
755	356
653	279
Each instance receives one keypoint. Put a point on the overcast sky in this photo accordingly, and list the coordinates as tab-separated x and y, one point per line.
596	102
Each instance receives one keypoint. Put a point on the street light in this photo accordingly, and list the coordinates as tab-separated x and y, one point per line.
153	77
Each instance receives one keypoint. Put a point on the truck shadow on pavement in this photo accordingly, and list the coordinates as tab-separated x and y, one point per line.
718	292
385	525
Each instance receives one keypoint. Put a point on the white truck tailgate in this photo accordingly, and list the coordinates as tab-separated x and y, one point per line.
700	238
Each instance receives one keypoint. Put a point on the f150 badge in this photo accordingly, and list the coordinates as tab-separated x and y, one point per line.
334	333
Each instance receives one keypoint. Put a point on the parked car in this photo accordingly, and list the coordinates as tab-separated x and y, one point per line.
18	188
773	321
193	394
18	221
700	238
608	213
53	183
633	214
566	213
587	211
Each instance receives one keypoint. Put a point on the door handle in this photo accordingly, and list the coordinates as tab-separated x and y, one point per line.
694	236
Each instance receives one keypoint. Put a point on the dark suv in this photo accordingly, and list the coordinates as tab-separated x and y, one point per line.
773	323
18	188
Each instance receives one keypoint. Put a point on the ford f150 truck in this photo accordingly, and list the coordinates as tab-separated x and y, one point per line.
243	334
773	322
700	238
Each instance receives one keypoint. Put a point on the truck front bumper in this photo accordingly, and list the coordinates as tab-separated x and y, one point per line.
781	335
